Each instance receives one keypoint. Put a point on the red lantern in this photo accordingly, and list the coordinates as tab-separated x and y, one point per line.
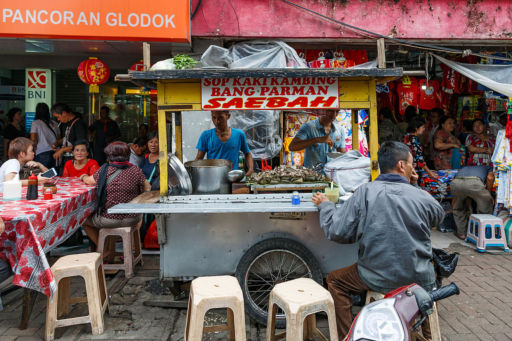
93	72
139	66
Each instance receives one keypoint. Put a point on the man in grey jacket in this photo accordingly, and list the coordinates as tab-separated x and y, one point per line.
391	220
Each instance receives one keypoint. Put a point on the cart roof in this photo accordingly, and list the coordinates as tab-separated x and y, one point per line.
381	75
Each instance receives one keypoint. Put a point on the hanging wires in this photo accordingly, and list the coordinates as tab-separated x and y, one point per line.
374	35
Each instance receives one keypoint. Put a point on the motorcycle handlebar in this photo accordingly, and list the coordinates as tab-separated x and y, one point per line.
444	292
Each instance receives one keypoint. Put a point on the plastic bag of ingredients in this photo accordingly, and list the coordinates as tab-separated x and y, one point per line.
167	64
216	56
349	171
253	54
261	127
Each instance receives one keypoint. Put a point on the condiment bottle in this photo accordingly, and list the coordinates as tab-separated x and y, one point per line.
295	198
47	193
32	187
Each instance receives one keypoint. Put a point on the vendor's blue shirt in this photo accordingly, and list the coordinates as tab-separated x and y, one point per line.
317	153
214	148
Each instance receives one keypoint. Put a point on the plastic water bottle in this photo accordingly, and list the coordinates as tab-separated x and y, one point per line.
295	198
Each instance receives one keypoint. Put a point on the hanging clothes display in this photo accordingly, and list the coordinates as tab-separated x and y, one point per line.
430	95
407	91
502	160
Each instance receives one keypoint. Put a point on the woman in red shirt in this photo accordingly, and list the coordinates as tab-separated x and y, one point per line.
81	164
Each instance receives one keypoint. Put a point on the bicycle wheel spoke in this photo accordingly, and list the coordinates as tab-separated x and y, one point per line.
268	269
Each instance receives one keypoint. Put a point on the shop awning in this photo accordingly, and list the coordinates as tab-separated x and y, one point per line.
495	77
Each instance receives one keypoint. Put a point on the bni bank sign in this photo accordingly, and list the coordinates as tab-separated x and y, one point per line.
38	87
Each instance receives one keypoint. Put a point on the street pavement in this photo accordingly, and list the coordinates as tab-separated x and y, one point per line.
483	310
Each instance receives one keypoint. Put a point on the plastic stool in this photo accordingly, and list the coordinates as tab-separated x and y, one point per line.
372	296
90	267
131	244
433	318
211	293
486	230
300	299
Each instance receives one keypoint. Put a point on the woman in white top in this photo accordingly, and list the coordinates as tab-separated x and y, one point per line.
43	133
21	153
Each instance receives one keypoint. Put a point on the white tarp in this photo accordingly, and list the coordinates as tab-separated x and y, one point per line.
495	77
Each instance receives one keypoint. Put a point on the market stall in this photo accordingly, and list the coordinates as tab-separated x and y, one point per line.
262	238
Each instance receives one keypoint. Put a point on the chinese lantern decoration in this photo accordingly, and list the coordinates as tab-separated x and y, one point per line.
139	66
93	72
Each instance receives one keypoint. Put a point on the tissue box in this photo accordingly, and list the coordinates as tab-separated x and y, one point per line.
12	190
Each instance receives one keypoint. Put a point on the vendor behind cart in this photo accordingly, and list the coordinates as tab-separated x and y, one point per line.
223	142
319	137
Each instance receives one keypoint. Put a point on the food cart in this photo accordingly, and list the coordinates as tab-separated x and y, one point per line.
260	238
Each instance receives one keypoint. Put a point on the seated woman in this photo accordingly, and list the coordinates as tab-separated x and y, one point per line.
480	145
117	181
21	153
80	164
149	165
446	145
416	128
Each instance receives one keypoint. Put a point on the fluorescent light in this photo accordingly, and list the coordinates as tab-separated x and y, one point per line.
38	46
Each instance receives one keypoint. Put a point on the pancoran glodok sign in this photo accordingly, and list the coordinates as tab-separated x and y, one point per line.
97	19
269	93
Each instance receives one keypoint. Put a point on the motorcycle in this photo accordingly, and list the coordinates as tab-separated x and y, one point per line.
398	315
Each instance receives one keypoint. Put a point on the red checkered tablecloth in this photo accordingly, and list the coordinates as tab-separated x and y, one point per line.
33	227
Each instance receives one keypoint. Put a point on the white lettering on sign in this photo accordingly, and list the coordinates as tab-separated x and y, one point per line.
269	93
113	19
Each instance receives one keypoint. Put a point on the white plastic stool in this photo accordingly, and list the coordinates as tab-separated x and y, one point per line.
132	247
211	293
89	266
300	299
486	230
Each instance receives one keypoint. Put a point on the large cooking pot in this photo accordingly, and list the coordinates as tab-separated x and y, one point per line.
210	176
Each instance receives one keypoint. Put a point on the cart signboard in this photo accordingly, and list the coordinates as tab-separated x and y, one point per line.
273	93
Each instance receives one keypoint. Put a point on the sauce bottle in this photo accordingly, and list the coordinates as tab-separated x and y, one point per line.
32	187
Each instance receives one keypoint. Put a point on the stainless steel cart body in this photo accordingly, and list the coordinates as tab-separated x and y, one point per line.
203	235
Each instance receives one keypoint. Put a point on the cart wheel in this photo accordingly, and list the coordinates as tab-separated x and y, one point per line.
268	263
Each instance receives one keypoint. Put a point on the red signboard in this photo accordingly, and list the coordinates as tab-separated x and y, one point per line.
269	93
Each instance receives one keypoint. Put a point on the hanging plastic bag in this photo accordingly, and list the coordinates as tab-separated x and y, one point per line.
444	262
261	128
349	171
